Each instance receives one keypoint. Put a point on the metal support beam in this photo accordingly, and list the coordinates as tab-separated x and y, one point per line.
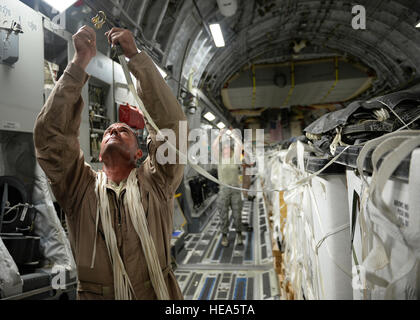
160	19
214	107
36	5
203	21
127	5
140	15
135	25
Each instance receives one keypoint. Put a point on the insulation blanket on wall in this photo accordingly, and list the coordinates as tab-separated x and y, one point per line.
17	158
10	281
317	234
54	242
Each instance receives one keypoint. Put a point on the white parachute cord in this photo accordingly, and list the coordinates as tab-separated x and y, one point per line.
381	114
138	218
123	289
398	117
336	141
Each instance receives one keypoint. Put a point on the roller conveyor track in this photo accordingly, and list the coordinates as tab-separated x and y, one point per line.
209	271
227	285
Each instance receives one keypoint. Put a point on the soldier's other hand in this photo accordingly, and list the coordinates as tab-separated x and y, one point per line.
84	41
125	39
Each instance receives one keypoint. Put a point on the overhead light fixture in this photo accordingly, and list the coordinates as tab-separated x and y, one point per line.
209	116
418	25
228	132
217	34
221	125
60	5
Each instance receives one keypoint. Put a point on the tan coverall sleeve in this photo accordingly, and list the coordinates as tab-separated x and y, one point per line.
56	140
165	111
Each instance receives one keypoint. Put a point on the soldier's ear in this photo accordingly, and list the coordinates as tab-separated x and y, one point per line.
139	154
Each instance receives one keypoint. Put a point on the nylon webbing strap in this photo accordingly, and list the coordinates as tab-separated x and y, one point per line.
331	233
395	147
370	145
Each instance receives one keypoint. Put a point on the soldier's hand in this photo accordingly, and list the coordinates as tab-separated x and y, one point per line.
84	41
125	39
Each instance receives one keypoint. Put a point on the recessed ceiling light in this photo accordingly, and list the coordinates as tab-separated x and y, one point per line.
209	116
221	125
60	5
217	34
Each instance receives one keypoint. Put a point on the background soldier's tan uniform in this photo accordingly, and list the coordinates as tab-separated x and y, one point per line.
73	183
246	174
229	198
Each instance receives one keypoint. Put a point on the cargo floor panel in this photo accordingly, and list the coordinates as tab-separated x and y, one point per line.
206	248
237	272
235	285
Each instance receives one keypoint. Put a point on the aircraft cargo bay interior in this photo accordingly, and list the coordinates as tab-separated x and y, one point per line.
209	150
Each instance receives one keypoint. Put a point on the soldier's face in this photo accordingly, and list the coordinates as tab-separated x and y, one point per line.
119	138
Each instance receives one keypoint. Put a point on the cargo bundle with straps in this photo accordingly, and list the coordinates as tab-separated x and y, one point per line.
17	218
33	239
278	176
385	217
317	230
362	121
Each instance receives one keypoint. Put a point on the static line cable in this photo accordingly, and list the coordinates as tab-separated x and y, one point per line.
51	72
197	168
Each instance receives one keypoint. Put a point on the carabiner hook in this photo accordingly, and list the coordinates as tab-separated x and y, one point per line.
99	20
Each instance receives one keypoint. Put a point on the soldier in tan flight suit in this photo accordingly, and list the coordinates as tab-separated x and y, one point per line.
228	173
247	175
73	181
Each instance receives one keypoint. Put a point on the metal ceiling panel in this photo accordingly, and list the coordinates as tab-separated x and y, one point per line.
315	83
